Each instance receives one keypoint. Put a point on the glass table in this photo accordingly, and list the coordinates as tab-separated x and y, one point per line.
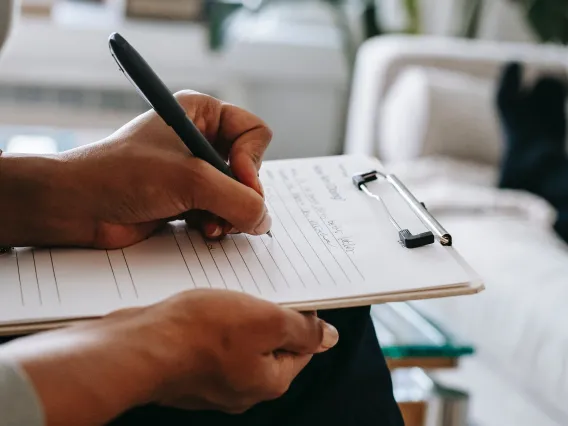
413	346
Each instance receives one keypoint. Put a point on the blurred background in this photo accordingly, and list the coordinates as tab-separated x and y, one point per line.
413	82
289	61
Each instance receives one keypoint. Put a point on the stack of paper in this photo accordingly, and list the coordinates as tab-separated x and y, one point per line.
332	247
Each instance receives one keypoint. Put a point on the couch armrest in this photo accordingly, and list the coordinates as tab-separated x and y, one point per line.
381	59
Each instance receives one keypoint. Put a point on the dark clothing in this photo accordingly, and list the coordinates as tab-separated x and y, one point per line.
534	126
348	385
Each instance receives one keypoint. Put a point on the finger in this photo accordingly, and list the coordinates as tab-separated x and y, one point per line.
284	368
261	188
203	187
113	236
307	334
190	403
237	134
245	166
205	112
248	137
207	223
233	230
123	313
225	125
212	227
200	404
228	228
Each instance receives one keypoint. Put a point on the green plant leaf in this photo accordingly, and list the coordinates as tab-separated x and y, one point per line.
413	12
549	19
472	15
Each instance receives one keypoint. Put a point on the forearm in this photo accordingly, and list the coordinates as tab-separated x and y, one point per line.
78	381
32	191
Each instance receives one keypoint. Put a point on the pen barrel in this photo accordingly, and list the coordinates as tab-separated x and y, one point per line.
200	146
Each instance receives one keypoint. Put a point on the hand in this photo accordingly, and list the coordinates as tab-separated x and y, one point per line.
203	349
117	192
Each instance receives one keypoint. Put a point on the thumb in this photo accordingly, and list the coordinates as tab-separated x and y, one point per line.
123	313
307	334
206	188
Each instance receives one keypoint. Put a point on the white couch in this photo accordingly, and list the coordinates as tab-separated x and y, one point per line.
425	107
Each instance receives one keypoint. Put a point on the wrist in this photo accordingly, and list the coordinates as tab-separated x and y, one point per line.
38	189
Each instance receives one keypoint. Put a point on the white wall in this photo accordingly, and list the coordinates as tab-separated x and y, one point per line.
291	72
505	21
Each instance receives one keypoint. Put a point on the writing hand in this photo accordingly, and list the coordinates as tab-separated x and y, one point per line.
116	192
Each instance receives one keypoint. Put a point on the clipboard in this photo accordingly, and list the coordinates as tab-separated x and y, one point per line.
422	265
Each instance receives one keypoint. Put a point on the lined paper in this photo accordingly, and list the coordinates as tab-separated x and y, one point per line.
329	241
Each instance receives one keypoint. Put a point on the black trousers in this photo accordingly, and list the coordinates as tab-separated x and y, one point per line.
348	385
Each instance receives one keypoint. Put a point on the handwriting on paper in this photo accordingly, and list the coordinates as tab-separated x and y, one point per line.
311	248
329	230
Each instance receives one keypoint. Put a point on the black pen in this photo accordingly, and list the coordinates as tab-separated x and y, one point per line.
156	93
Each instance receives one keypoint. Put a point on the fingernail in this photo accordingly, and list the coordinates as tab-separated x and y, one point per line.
265	225
330	336
213	230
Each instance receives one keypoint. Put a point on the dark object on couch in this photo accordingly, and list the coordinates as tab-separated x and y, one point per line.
534	125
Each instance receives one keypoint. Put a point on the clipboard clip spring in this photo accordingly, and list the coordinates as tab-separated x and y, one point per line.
407	239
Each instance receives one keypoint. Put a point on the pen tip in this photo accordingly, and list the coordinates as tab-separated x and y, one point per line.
269	233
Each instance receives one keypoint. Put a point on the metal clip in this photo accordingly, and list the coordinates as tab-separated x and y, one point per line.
407	239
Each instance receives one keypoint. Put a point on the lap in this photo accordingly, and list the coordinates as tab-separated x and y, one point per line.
350	384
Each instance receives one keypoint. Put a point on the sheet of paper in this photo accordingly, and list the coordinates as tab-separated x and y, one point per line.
329	241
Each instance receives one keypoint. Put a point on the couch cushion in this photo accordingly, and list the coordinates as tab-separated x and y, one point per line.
431	111
519	325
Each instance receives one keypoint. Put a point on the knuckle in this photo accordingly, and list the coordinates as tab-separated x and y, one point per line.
192	100
256	149
278	323
279	389
256	155
186	96
267	133
239	408
313	327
